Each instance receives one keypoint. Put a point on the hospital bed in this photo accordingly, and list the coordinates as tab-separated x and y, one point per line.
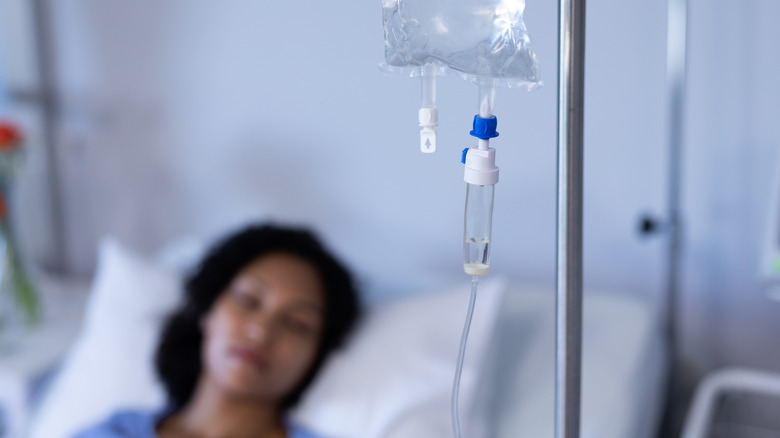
394	378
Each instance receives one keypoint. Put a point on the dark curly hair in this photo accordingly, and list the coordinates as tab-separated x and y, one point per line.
178	356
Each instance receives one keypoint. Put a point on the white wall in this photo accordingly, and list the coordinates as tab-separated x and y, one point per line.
189	118
206	115
732	141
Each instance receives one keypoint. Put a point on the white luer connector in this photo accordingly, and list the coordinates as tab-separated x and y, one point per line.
481	167
429	119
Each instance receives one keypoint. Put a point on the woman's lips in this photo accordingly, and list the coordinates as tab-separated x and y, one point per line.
250	357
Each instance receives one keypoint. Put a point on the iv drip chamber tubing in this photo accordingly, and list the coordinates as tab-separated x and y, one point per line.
461	354
428	88
487	98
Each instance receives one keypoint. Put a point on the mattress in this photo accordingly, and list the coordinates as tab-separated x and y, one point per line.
624	362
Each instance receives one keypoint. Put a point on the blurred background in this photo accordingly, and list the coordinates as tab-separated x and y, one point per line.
158	122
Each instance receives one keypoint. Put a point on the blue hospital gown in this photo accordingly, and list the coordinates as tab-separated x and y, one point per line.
138	424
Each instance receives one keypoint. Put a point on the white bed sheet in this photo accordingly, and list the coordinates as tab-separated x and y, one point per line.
623	367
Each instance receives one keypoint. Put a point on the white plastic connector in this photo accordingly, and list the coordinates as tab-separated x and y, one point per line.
481	167
429	119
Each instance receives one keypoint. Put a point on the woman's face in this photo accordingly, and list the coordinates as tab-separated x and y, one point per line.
263	332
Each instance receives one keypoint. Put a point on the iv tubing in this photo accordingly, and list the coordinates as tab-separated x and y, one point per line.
428	115
428	87
487	97
461	354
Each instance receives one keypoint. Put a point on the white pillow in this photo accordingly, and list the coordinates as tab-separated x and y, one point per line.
395	377
393	380
110	366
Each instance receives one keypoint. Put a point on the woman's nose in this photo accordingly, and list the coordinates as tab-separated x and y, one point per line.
258	330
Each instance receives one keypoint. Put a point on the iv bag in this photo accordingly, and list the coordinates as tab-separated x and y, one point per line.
484	41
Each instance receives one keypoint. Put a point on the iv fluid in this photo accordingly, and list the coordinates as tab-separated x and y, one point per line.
484	41
478	226
477	256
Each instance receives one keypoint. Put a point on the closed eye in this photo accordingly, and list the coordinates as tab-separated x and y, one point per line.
298	326
245	300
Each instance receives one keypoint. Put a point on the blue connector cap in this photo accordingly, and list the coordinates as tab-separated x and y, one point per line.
484	129
463	157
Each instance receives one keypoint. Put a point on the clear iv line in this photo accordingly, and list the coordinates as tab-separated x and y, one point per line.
461	354
428	116
481	176
487	97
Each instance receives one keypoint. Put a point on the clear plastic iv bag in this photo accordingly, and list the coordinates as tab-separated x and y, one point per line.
485	41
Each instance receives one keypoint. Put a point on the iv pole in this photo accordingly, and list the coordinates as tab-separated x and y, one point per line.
568	282
676	67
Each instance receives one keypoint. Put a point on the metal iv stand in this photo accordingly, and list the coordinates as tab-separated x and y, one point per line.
571	72
568	281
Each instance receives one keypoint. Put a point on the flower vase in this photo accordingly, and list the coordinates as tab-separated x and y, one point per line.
19	306
19	303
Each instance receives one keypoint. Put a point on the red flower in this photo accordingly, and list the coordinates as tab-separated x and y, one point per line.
10	137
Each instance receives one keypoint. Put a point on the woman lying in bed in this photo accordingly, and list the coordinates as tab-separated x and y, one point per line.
261	314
